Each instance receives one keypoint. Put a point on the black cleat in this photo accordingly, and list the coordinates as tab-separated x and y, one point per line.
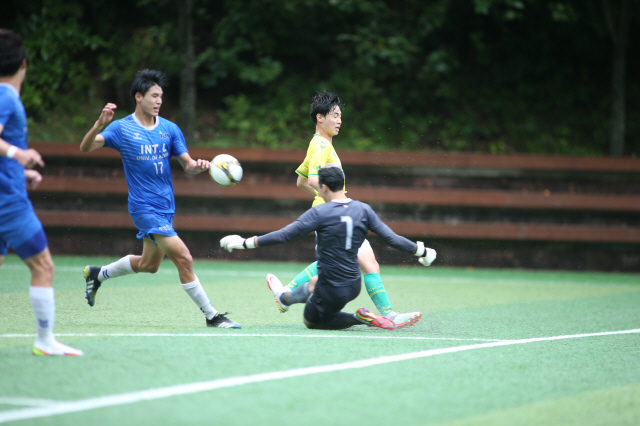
91	276
221	321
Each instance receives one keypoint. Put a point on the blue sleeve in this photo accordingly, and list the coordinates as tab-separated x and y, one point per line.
305	224
112	136
178	144
390	237
7	108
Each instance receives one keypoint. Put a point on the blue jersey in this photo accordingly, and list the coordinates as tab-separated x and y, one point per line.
341	227
145	153
13	186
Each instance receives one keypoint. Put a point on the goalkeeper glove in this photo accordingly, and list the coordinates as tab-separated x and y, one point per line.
236	242
426	255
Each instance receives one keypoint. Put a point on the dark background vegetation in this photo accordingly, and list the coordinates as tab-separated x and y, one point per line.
460	75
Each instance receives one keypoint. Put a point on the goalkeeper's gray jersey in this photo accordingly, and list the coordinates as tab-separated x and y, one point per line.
341	227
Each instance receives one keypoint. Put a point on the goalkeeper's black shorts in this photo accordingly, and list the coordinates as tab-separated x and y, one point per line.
326	301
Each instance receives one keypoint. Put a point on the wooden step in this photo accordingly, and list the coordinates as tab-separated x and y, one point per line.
382	158
381	194
411	229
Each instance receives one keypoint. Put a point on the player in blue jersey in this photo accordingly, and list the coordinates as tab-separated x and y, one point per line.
341	225
20	228
146	142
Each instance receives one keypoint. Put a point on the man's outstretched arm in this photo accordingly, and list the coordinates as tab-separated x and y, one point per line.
302	226
425	255
92	140
191	166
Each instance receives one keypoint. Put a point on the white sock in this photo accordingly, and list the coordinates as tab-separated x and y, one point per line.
196	292
116	269
44	309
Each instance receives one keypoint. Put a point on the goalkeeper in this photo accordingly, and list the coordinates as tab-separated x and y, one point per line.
326	113
341	225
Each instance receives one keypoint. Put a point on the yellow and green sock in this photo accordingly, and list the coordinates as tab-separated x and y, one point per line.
377	293
304	276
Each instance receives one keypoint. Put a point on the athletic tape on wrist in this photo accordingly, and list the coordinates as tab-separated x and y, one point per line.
250	243
11	151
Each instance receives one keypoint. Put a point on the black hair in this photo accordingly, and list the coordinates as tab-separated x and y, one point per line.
12	52
323	103
332	177
145	80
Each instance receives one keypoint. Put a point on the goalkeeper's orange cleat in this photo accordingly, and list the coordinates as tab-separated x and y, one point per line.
369	318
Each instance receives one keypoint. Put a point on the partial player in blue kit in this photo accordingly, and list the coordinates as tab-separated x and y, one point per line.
147	142
341	225
20	228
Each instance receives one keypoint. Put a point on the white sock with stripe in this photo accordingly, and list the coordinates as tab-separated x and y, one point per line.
196	292
116	269
44	309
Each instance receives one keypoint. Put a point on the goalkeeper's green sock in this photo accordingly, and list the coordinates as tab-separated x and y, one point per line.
304	276
377	293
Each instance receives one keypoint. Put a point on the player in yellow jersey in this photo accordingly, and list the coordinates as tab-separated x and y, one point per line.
326	113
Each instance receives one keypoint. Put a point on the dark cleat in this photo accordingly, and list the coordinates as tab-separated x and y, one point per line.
91	276
221	321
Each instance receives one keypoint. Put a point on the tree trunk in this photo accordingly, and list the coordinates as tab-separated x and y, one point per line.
188	73
619	35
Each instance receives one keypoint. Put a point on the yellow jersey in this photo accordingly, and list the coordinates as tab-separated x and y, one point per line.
319	154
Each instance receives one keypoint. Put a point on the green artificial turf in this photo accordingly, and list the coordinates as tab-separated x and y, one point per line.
145	333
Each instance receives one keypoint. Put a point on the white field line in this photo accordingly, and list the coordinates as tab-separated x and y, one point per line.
189	388
36	402
326	336
262	274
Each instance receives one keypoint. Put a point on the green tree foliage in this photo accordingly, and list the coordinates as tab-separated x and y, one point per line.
487	75
56	43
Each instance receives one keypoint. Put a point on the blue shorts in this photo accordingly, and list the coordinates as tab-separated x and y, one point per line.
153	223
22	231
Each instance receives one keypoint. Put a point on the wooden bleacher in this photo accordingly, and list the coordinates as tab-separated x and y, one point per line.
418	195
392	195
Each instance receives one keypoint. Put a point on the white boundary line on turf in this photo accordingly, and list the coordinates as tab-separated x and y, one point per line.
189	388
36	402
326	336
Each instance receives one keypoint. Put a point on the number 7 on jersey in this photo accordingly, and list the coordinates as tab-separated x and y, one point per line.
349	222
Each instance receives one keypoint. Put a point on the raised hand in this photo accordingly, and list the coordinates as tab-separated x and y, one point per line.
107	114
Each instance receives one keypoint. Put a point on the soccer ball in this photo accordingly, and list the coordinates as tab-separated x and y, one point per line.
225	170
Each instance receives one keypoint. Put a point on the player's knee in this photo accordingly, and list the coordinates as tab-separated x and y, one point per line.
148	267
308	324
47	267
184	261
370	268
312	283
369	264
42	267
152	269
